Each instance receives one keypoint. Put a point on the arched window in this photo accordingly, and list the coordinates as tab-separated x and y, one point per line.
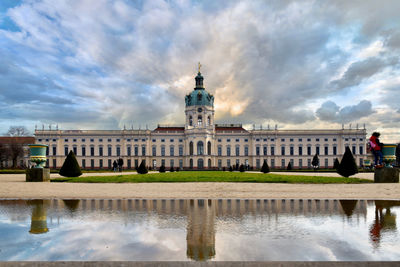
199	120
209	163
191	148
200	148
200	164
190	121
209	148
208	120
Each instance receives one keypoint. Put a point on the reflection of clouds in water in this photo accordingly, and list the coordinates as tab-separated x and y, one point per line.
94	233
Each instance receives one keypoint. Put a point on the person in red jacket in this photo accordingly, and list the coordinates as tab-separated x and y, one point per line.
376	147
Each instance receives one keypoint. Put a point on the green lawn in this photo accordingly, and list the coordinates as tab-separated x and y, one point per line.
212	176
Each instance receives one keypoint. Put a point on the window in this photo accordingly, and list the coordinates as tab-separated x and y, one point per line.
308	139
136	140
257	140
317	150
126	140
47	140
282	139
246	150
309	150
100	151
129	164
54	140
162	162
326	150
291	151
209	148
237	140
75	150
353	139
83	140
282	150
257	151
181	151
54	150
190	121
91	140
219	150
361	150
326	163
66	151
92	163
163	151
353	148
208	120
283	165
101	163
291	139
272	163
326	139
237	150
136	151
143	140
180	164
361	139
109	151
300	163
180	140
228	163
154	151
83	163
317	139
171	140
109	140
171	151
128	151
200	148
258	164
300	140
171	163
65	140
143	150
309	163
246	140
228	150
73	140
118	139
265	150
83	151
162	140
101	140
265	140
300	150
191	148
334	150
334	139
346	139
219	140
228	140
92	151
219	164
199	120
272	151
154	140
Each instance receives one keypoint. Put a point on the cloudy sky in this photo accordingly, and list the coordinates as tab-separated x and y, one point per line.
102	64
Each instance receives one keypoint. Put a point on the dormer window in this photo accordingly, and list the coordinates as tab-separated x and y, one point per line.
199	96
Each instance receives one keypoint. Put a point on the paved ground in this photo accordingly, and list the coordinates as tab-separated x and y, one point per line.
14	186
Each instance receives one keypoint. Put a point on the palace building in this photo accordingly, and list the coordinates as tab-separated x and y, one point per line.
201	143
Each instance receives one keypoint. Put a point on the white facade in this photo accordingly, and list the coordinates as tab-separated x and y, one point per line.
202	144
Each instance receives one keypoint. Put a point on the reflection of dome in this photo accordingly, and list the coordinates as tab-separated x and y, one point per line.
348	206
71	204
199	96
39	217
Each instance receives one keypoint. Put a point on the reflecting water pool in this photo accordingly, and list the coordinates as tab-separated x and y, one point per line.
200	229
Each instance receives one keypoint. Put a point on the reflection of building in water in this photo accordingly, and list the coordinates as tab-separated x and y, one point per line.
200	235
39	216
348	206
384	222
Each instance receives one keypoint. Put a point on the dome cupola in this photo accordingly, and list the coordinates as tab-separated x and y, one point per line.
199	96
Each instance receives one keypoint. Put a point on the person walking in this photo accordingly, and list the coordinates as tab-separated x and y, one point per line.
376	148
115	165
120	164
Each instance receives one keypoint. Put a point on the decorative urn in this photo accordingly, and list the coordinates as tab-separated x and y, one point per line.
389	154
38	154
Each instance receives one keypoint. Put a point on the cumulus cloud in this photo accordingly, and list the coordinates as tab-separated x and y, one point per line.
329	111
124	61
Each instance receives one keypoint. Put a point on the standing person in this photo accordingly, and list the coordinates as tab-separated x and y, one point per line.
115	165
120	164
376	148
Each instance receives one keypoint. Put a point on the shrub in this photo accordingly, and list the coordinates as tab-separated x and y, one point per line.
142	168
265	167
241	168
162	168
171	169
230	169
70	168
336	164
177	169
315	162
289	167
347	166
223	169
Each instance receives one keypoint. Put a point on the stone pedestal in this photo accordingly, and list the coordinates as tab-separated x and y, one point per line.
386	175
38	175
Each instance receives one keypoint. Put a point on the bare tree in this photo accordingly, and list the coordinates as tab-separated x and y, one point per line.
3	154
18	131
15	150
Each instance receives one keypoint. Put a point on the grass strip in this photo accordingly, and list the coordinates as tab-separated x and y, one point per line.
212	176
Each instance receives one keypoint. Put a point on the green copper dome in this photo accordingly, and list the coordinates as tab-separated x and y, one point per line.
199	96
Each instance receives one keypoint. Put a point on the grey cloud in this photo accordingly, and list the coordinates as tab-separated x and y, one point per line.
329	111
